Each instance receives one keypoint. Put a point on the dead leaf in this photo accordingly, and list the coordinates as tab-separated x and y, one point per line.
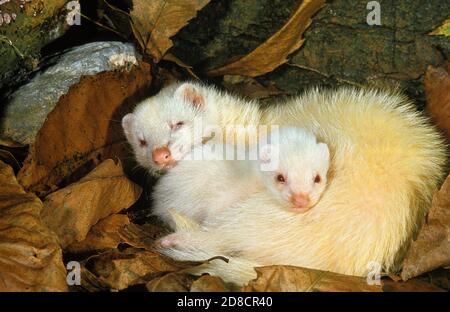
413	285
103	235
121	269
73	210
208	283
437	86
30	256
83	129
114	230
289	279
172	282
275	50
154	22
443	30
431	249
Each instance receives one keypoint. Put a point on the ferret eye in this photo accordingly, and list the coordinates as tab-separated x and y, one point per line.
317	179
281	179
177	125
142	143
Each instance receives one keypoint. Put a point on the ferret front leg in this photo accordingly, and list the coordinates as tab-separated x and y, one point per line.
195	240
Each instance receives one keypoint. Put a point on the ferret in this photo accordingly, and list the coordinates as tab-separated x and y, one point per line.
387	161
202	189
164	128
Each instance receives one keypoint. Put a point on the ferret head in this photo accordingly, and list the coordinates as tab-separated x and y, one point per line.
161	128
299	175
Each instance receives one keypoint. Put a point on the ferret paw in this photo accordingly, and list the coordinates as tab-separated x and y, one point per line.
170	240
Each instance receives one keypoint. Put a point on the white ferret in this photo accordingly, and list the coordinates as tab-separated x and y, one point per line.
202	189
164	128
387	161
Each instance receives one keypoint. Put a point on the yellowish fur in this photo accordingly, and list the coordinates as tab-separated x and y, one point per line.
387	161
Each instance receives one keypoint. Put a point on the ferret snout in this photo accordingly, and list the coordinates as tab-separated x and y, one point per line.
162	156
300	201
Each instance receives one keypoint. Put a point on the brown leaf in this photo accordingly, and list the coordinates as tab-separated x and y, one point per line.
121	269
289	278
114	230
154	22
103	235
413	285
437	86
431	249
83	129
208	283
276	49
30	256
73	210
172	282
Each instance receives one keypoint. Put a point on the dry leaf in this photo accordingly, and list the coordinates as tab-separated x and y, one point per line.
275	50
114	230
172	282
104	235
437	86
154	22
83	129
30	257
443	30
209	283
431	249
73	210
289	278
413	285
121	269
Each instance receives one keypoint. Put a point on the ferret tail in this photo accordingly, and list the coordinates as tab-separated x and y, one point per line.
237	270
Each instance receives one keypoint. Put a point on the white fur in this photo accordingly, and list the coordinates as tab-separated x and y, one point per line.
202	189
152	118
387	161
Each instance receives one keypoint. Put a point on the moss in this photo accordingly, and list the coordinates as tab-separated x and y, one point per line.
35	26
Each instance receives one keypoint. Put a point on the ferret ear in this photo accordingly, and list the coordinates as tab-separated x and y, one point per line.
127	125
324	151
189	93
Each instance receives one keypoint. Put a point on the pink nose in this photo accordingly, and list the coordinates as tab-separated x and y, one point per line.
300	200
161	156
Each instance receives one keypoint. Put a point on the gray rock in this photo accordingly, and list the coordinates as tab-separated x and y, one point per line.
29	106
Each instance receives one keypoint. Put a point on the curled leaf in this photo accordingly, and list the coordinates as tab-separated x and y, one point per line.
154	22
30	256
289	278
83	129
431	249
73	210
437	86
275	50
121	269
114	230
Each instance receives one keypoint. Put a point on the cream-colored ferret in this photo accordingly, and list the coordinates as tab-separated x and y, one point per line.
292	168
164	128
387	161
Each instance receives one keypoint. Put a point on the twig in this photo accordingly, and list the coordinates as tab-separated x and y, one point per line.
326	75
8	41
101	25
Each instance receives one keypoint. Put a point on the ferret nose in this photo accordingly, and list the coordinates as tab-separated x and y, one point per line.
161	156
300	200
